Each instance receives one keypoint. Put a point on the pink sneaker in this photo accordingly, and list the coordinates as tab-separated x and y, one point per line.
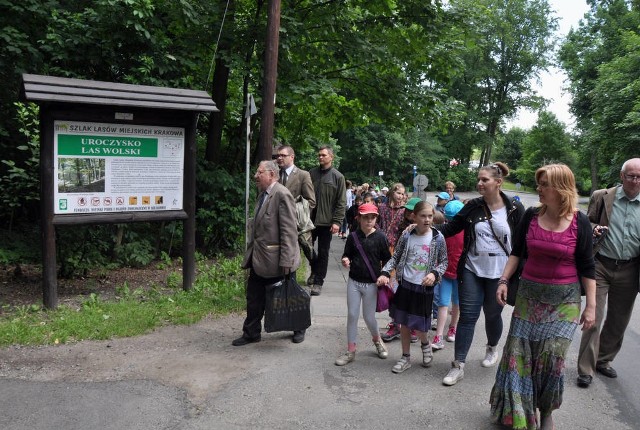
451	334
392	333
437	343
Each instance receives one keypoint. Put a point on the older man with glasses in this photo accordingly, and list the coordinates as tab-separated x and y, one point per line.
615	216
272	251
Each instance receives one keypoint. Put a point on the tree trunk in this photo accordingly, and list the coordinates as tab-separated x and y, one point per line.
216	121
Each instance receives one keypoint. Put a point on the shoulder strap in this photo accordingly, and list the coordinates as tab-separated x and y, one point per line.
504	248
364	256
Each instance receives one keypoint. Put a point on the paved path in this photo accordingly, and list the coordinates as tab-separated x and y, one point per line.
192	378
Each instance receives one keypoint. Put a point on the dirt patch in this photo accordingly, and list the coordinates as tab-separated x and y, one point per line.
180	356
23	286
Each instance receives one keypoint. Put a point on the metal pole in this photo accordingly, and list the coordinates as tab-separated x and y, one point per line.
247	173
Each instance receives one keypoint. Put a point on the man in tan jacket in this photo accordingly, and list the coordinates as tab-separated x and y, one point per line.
273	250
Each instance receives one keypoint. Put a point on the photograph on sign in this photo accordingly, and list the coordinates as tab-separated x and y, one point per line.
117	167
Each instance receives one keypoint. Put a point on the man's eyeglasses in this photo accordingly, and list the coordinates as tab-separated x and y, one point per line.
632	178
276	156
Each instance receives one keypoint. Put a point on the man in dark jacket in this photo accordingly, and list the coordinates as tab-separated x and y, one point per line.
327	216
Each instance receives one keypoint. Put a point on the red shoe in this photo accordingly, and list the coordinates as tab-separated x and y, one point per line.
393	332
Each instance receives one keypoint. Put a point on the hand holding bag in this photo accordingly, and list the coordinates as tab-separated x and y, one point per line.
288	306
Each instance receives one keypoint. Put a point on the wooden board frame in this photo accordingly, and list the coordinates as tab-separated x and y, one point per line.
63	99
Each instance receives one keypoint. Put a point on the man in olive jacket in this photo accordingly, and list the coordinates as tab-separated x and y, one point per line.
272	251
331	201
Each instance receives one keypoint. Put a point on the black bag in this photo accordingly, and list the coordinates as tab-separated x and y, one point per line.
287	307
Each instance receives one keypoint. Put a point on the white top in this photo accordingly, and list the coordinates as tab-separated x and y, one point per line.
417	264
486	257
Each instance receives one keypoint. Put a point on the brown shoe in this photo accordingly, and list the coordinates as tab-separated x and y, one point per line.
316	289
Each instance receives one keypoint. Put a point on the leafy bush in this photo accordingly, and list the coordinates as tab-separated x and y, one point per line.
220	208
464	178
20	176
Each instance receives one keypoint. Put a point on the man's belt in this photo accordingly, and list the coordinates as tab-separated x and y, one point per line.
614	262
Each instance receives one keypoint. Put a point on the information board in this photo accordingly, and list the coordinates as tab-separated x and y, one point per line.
102	168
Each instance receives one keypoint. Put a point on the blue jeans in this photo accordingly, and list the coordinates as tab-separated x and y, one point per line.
477	293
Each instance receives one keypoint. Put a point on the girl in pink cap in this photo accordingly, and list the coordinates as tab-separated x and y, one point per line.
364	254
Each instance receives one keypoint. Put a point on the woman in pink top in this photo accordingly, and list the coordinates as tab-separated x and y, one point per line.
556	242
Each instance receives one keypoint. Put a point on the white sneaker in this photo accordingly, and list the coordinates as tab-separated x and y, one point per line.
427	355
402	365
491	357
455	374
381	349
345	358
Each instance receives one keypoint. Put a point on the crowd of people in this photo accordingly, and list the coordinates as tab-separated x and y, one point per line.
457	259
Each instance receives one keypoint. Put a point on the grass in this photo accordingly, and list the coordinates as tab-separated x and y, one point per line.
218	290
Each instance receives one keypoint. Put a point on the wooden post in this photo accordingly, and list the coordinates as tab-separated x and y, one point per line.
47	182
189	206
270	78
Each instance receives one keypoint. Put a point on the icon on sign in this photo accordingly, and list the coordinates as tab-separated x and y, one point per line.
62	204
95	201
107	201
119	201
158	200
146	200
133	200
82	201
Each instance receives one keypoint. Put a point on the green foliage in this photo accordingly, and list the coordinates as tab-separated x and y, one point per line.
220	212
464	178
20	176
20	245
601	60
506	45
218	290
546	143
510	149
133	245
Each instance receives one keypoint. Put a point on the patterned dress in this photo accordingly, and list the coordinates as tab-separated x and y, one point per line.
546	314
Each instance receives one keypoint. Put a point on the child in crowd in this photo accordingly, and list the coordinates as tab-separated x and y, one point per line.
420	260
438	218
393	329
447	290
365	252
352	213
441	199
368	198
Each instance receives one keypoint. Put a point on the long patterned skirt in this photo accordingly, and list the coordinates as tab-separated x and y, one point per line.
531	373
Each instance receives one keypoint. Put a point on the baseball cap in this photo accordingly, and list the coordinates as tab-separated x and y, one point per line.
444	196
367	208
452	208
385	188
411	203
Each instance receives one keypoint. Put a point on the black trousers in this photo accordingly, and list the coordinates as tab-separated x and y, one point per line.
321	261
256	299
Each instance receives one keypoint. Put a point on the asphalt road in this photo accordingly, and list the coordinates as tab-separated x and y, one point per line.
192	378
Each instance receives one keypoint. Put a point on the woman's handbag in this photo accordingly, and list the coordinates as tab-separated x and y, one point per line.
288	306
385	294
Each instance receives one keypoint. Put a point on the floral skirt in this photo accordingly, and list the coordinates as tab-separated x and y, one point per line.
411	306
531	373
